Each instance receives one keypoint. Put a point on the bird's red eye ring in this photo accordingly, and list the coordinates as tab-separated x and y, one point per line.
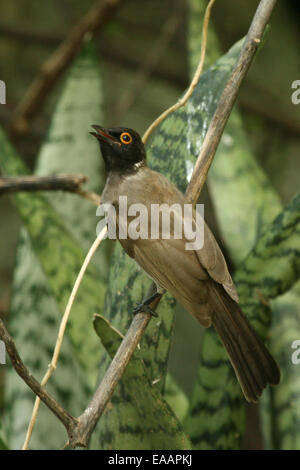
125	138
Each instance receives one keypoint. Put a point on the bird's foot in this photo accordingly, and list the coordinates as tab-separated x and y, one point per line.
144	307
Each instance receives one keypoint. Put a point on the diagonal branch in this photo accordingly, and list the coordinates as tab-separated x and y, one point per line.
97	17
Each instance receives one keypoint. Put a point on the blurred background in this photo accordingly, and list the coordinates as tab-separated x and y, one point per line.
143	56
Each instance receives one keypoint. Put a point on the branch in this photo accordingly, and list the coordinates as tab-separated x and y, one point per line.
53	68
69	183
88	420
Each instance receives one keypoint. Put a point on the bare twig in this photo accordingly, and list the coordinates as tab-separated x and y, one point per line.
182	101
68	421
61	332
53	68
69	183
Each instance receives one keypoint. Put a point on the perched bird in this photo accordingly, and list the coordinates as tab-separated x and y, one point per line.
198	279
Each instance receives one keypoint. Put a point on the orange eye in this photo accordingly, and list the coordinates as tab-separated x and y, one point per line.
126	138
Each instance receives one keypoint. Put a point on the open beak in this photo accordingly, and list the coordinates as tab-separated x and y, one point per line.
103	135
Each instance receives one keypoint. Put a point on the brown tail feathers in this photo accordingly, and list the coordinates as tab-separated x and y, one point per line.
253	364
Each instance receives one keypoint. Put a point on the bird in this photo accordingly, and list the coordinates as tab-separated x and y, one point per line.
198	278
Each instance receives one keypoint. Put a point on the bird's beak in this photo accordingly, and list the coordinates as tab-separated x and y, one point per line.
103	135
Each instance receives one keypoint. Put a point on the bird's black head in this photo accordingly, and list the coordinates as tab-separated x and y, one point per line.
122	149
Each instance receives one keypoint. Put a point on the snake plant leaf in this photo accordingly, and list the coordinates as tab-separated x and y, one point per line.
151	423
245	202
58	230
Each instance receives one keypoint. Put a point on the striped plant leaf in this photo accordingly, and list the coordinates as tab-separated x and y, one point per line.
156	425
58	229
242	219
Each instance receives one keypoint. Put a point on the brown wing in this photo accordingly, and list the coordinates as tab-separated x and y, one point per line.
167	262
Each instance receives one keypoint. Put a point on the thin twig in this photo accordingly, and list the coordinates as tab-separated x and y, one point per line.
97	17
68	421
61	331
182	101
